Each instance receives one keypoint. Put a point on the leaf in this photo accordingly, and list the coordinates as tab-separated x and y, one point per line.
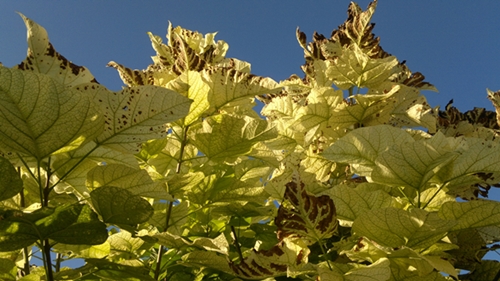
487	270
206	259
10	181
352	203
8	270
362	146
304	215
225	136
393	227
355	68
376	271
229	86
473	214
479	157
119	206
135	115
178	217
414	164
83	251
136	181
198	92
43	58
69	224
219	244
41	117
273	262
125	249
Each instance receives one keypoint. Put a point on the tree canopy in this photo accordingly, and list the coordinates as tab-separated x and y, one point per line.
346	173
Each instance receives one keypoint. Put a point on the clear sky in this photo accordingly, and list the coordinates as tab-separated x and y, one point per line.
455	44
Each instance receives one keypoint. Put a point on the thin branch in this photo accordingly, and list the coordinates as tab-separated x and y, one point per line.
236	243
161	250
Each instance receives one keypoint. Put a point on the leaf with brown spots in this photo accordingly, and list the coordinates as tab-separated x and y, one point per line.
43	58
304	215
273	262
135	115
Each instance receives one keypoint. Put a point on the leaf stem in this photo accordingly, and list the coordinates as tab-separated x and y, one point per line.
47	260
161	250
26	265
236	243
74	166
325	256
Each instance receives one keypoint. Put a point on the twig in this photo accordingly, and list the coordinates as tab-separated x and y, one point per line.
237	244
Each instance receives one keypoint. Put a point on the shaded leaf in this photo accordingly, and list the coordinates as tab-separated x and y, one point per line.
305	215
10	181
273	262
119	206
69	224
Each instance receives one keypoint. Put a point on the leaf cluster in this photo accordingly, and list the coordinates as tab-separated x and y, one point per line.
347	173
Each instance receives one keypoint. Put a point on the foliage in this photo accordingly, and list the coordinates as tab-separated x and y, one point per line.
176	177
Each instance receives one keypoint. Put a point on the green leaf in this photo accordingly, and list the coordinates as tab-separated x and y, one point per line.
137	181
10	181
414	164
355	68
393	227
43	58
219	244
119	206
225	136
473	214
41	117
178	217
8	270
229	87
305	215
206	259
83	251
487	270
135	115
375	272
362	146
352	203
69	224
125	249
198	92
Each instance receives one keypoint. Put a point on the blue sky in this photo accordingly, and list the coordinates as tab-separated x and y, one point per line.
455	44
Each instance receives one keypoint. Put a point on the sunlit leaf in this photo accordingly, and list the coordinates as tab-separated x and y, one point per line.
363	146
39	116
218	244
352	203
473	214
353	68
228	86
396	227
119	206
135	115
43	58
226	136
137	181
